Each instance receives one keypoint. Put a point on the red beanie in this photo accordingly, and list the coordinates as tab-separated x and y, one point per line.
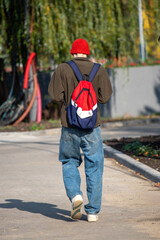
80	46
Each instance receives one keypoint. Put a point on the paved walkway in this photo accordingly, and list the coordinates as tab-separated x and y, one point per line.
131	131
33	204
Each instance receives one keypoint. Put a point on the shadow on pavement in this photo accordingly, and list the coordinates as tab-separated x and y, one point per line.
45	209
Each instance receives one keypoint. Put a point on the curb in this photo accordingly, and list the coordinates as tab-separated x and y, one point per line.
33	133
131	163
126	123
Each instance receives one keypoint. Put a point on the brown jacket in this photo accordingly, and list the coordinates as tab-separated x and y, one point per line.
63	83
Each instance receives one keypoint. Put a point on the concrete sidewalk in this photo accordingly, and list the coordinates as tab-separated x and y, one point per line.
33	203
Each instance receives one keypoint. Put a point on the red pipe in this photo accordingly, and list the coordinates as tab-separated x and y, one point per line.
26	74
33	96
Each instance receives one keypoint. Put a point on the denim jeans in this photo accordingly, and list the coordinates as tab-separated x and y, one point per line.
90	142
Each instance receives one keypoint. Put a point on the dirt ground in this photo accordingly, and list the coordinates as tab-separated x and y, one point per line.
153	141
30	126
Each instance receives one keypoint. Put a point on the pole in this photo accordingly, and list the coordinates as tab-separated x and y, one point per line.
142	45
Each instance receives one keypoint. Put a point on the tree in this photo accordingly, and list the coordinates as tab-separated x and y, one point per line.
49	27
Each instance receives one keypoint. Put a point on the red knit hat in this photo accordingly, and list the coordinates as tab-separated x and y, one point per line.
80	46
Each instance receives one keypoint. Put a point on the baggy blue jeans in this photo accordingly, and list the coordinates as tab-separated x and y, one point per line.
90	142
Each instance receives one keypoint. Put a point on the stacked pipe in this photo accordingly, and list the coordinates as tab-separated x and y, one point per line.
21	108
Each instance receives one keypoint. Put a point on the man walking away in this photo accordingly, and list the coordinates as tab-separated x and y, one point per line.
80	118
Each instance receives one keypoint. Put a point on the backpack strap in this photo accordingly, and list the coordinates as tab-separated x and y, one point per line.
76	70
94	71
78	73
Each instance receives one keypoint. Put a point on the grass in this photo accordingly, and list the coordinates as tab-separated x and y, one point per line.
43	125
27	126
55	122
6	127
138	149
36	127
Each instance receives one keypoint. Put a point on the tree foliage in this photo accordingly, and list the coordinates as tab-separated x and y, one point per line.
49	27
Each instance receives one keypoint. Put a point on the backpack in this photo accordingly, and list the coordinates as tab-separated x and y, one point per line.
82	110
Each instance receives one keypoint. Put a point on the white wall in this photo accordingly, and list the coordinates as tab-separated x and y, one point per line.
136	91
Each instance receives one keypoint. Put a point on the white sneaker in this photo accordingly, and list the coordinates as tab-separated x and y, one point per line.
92	217
77	202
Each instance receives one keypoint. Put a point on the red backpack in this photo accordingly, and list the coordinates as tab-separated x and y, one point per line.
82	110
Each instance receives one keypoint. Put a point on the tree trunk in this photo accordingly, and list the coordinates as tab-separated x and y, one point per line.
4	91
